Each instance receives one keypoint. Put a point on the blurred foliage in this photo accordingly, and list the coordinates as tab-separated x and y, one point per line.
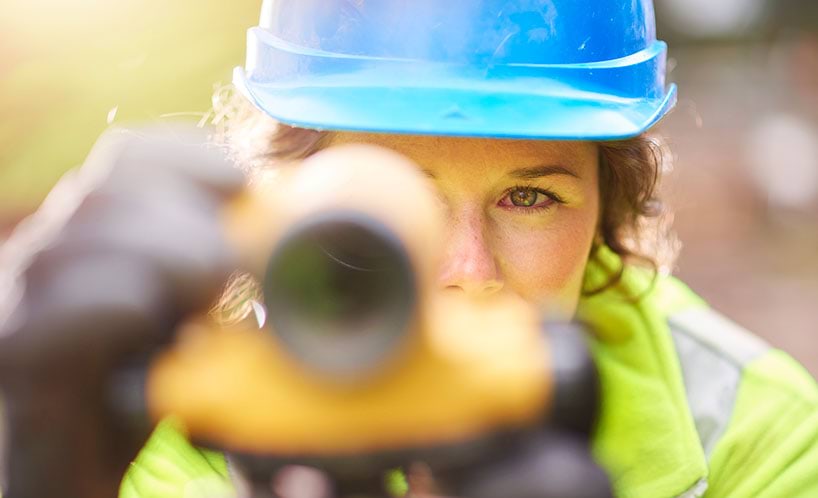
691	22
64	66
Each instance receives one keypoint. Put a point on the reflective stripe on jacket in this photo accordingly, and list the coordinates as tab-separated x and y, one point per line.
693	405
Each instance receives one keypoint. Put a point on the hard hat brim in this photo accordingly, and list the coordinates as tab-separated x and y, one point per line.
607	100
434	111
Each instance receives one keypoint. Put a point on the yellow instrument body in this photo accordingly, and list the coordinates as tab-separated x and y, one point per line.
465	368
237	388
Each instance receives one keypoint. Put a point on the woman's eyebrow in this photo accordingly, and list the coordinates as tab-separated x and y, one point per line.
541	171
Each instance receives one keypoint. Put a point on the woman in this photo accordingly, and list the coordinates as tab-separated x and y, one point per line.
530	118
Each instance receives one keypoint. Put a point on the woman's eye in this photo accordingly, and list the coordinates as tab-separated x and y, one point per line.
524	197
527	197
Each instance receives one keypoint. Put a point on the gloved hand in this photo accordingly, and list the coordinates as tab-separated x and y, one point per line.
93	282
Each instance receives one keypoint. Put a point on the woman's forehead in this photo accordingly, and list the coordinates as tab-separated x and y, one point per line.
433	152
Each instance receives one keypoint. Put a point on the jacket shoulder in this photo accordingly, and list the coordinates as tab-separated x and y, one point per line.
708	391
755	408
770	447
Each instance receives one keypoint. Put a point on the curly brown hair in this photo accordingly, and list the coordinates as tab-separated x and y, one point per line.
633	220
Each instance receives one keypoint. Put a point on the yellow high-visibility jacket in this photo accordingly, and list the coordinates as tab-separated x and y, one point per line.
693	405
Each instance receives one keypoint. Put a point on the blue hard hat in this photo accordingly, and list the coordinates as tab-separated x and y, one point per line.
558	69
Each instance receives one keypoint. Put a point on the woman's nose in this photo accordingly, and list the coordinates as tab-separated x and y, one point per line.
469	264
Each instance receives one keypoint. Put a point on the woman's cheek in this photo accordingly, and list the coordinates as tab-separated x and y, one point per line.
546	264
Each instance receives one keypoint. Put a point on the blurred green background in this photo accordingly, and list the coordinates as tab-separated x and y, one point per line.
66	66
744	134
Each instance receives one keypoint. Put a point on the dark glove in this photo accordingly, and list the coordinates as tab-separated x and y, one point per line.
550	465
95	281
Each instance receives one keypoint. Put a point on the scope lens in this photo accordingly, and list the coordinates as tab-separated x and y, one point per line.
340	292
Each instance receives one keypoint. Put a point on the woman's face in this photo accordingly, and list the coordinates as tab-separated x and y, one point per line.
522	214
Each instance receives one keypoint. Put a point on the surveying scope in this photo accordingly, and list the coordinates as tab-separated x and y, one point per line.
355	363
359	364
